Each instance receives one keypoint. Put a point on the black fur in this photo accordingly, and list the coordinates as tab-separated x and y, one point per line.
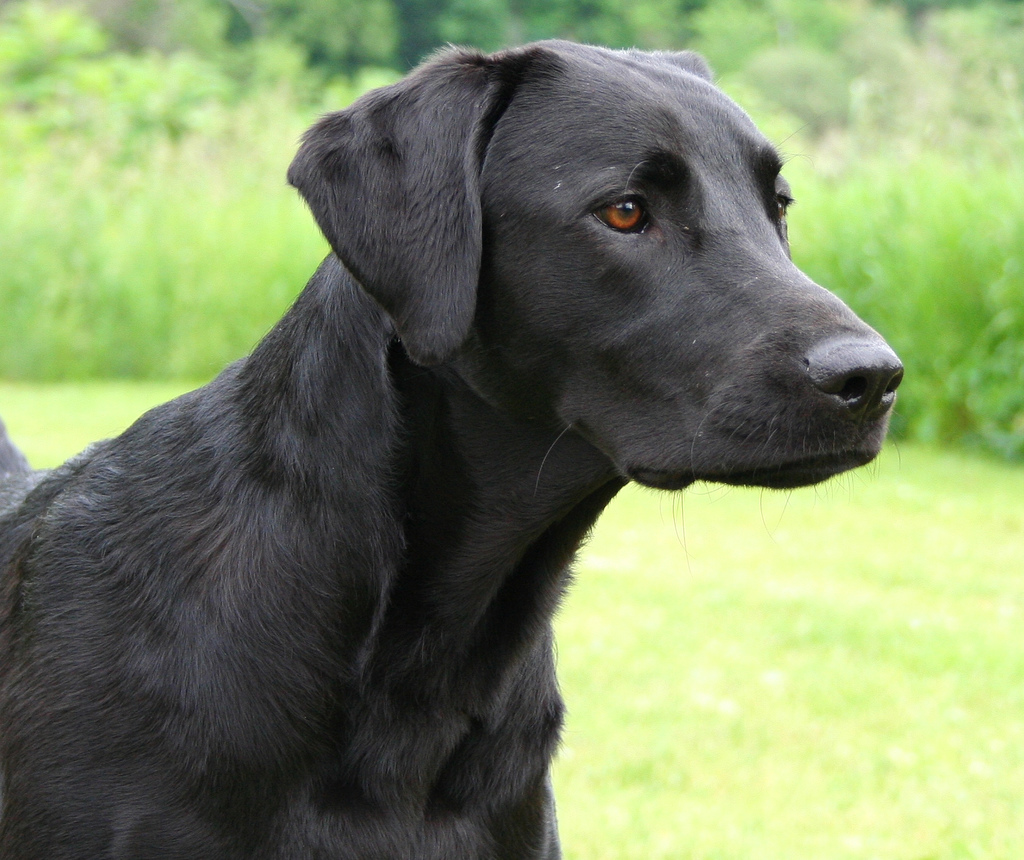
305	611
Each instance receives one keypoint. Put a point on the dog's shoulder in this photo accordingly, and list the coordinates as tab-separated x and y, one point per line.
25	497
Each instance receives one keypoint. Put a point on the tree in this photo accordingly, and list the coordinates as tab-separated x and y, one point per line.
338	36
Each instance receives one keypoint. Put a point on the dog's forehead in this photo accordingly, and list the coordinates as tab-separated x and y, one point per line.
604	105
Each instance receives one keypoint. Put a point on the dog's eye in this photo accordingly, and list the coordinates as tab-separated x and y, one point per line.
626	216
783	201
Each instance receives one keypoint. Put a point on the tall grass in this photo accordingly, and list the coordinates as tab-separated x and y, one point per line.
170	260
160	262
931	252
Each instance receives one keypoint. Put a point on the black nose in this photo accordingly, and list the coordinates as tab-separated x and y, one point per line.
861	373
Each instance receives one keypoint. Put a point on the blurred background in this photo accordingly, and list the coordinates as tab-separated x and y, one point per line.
146	231
836	672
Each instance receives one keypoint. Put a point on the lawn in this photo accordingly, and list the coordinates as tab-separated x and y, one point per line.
836	672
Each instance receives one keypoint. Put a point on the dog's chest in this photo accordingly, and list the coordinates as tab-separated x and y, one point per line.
442	756
441	782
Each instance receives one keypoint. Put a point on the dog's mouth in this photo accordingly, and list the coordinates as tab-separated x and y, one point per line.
802	472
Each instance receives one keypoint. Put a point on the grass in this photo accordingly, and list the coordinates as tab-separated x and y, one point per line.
166	264
831	673
171	262
835	673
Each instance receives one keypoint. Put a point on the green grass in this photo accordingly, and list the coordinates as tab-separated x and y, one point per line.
166	264
54	421
834	673
831	673
172	262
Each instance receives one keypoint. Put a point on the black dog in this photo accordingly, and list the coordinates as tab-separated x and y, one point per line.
305	611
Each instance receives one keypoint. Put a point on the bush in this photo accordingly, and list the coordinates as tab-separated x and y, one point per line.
58	78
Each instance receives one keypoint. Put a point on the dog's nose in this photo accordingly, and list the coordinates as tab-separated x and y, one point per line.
861	373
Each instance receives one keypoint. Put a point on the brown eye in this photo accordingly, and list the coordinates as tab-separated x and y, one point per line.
626	216
783	203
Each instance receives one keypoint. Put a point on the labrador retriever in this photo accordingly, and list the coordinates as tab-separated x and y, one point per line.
305	611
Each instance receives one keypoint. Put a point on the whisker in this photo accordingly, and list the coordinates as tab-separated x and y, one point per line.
536	485
629	180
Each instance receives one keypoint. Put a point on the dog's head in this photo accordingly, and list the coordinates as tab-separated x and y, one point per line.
597	239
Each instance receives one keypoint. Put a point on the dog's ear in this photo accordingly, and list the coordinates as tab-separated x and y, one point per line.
693	63
393	182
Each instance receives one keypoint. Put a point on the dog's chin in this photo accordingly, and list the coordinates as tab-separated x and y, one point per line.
799	473
786	475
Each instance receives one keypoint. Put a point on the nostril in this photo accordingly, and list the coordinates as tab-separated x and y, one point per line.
894	382
854	388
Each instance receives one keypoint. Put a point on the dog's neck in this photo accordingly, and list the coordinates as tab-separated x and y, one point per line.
497	509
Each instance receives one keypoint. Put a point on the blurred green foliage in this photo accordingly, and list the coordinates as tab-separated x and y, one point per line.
824	64
146	230
59	75
342	36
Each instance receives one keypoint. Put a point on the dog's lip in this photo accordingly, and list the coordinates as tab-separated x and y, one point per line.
662	479
798	472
